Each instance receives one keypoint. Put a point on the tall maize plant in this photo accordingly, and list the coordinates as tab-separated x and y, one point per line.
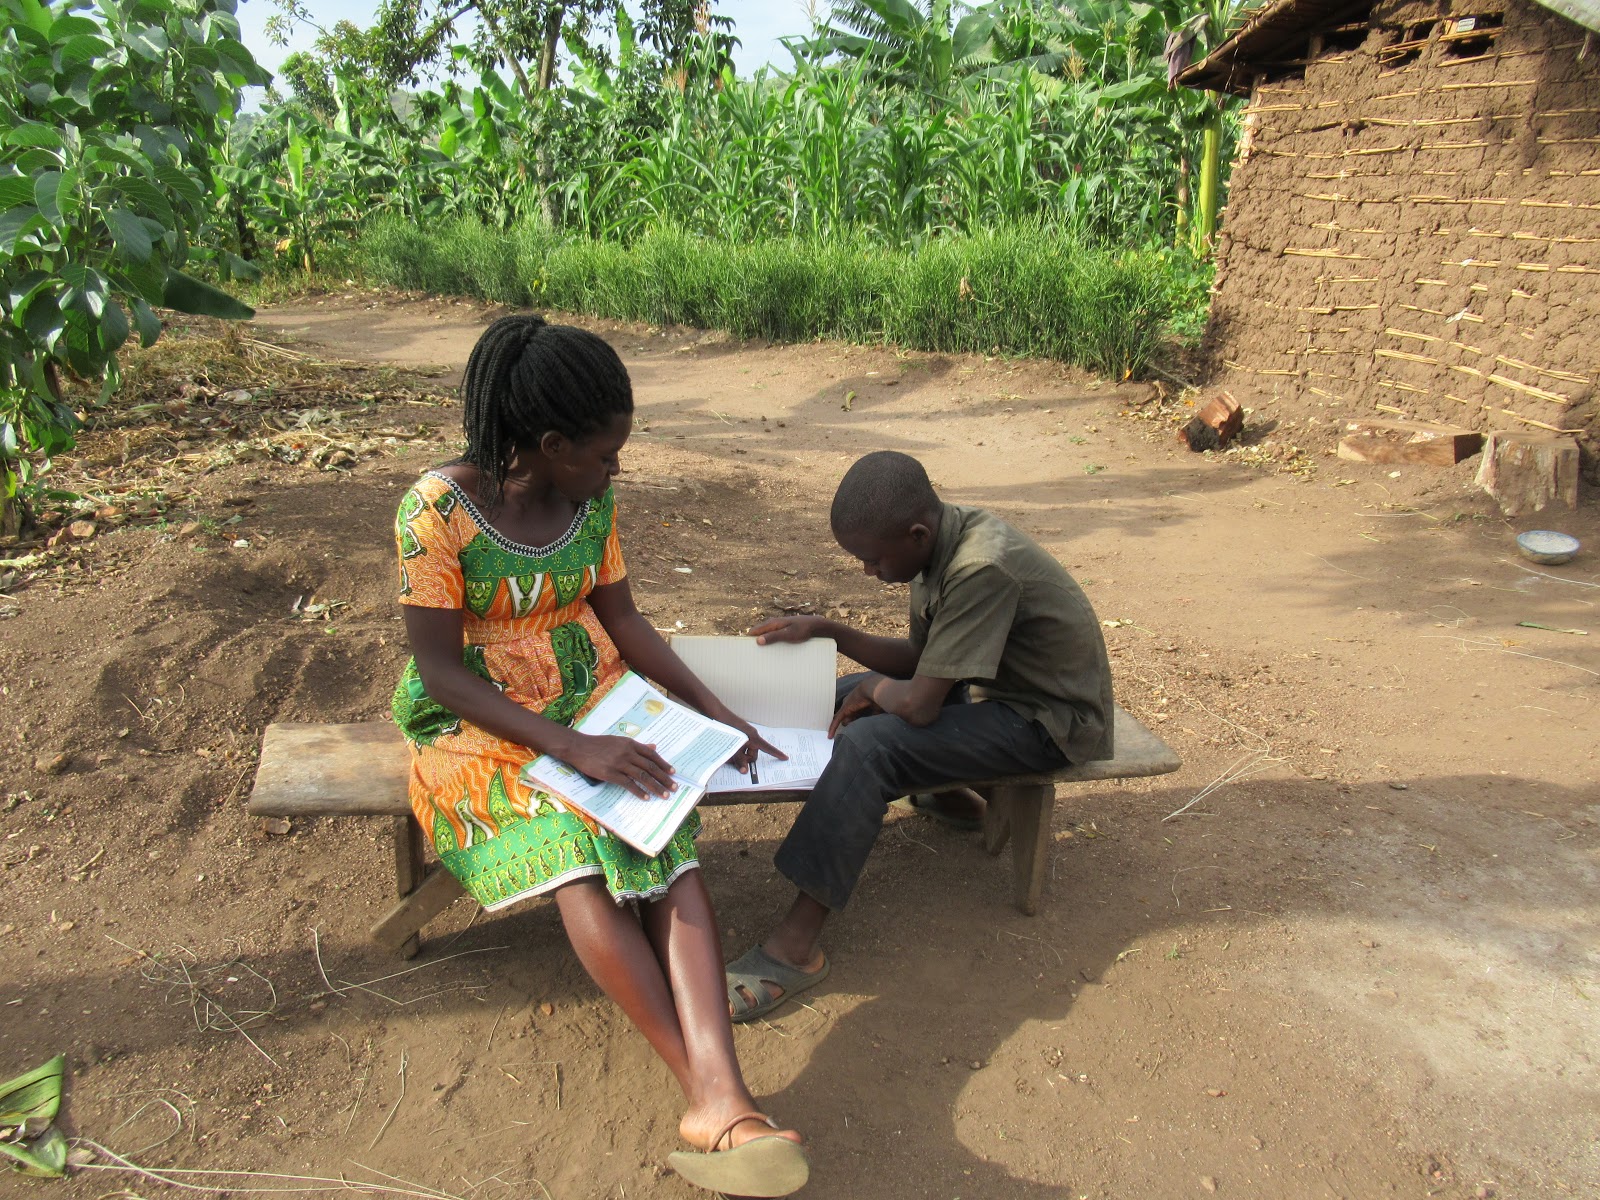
895	124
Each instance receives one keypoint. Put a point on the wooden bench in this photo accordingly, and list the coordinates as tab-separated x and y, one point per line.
355	770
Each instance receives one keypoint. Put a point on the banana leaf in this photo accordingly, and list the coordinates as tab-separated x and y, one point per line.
29	1102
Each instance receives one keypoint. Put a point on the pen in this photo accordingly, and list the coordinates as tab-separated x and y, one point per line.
754	778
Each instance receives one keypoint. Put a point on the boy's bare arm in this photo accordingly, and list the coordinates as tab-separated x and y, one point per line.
893	657
916	701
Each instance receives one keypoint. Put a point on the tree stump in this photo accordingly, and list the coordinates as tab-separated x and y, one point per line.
1528	472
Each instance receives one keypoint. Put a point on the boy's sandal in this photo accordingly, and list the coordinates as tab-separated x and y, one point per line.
764	1166
759	983
928	804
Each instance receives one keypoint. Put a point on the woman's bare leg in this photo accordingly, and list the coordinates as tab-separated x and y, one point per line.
682	927
666	974
611	945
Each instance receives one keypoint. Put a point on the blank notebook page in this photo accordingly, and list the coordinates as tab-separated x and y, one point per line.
788	685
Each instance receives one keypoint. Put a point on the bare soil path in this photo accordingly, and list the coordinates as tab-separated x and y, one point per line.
1364	963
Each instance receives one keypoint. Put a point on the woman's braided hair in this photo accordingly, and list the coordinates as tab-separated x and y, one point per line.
526	378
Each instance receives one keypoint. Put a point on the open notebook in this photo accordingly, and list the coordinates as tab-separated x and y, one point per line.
785	690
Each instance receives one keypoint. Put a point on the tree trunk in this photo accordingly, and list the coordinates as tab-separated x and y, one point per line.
10	507
547	74
1205	217
510	59
1183	198
547	54
1529	472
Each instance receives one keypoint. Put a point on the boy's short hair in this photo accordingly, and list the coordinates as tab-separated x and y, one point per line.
882	494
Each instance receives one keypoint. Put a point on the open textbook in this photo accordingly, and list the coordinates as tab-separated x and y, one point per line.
808	751
695	745
785	690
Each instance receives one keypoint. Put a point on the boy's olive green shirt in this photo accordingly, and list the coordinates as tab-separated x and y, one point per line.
993	608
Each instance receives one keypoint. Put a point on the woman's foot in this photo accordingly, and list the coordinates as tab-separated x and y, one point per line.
706	1127
742	1152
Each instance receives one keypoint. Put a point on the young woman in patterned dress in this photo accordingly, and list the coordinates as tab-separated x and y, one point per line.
520	617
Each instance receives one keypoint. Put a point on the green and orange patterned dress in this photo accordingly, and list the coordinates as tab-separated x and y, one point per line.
530	631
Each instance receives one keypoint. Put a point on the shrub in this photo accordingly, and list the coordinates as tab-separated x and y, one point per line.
1026	290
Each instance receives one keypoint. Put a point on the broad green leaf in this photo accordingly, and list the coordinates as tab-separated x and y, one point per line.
14	223
34	1095
1128	88
145	196
68	201
491	138
87	289
45	1158
33	133
190	295
129	234
108	158
21	293
34	159
45	186
147	280
73	26
971	34
114	327
76	51
239	268
207	96
36	15
15	190
147	323
181	183
149	42
448	141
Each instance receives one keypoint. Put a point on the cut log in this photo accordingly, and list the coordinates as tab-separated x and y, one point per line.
1529	472
1216	424
1408	442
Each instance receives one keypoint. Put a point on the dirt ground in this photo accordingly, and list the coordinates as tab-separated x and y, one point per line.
1362	961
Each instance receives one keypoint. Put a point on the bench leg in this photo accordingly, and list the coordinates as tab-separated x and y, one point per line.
996	819
399	928
1029	811
408	871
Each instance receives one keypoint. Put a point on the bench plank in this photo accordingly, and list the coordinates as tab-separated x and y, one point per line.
310	770
361	770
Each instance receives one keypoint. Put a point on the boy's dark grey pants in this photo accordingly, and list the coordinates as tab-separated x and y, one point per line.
880	758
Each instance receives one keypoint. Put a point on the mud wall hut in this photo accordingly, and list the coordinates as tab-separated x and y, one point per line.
1413	222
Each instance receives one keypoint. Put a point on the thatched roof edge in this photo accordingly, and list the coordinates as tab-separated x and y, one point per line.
1279	31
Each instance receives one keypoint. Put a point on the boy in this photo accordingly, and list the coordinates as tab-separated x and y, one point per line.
994	619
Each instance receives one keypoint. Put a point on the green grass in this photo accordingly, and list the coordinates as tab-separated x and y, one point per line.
1019	290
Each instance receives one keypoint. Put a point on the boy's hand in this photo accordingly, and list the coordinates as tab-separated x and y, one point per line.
859	703
787	629
634	765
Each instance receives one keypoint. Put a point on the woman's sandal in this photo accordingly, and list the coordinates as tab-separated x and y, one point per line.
752	981
763	1166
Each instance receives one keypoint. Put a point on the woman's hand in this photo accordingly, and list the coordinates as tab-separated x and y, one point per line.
634	765
859	703
788	629
745	757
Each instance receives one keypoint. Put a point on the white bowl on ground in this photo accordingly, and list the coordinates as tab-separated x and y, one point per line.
1547	546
